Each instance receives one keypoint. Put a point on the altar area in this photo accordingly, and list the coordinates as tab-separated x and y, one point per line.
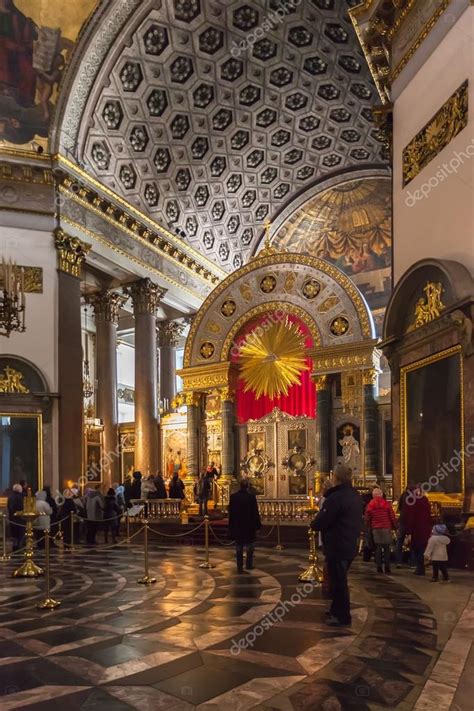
279	383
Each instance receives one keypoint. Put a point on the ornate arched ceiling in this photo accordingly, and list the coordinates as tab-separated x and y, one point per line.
212	116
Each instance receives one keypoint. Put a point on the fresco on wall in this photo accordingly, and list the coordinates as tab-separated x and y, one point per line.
349	225
36	41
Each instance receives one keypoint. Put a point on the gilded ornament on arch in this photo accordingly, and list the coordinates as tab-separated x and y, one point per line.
213	327
289	282
11	381
311	289
321	382
246	292
328	304
451	118
369	377
268	284
228	308
207	350
429	307
339	326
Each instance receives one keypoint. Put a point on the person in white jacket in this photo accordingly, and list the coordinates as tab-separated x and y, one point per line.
42	522
437	552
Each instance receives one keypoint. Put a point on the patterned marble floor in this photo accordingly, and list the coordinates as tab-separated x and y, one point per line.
116	645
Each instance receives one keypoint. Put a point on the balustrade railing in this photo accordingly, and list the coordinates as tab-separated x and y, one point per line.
155	509
285	509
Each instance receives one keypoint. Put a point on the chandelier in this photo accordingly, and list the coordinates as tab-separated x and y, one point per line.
12	298
272	361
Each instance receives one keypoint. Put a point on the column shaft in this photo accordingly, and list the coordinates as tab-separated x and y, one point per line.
370	426
323	426
193	435
228	436
145	296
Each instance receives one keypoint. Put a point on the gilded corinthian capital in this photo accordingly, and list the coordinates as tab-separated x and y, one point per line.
169	333
71	252
146	296
107	305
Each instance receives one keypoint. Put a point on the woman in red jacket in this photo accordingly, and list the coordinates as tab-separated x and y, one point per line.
380	518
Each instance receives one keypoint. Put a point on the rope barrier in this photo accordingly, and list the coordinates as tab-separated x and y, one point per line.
223	543
178	535
125	541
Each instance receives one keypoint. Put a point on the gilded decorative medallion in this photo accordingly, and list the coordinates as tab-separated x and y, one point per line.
228	308
328	304
311	289
207	350
268	283
289	282
213	327
339	326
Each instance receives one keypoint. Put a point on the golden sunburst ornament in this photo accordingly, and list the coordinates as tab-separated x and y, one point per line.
272	360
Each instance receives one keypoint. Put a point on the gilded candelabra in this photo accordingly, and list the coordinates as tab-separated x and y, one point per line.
28	569
313	572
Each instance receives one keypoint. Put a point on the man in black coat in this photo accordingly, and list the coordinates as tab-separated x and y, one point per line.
244	522
339	521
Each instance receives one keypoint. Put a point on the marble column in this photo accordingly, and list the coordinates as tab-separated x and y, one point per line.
369	380
228	432
193	426
323	425
145	297
71	254
106	309
169	333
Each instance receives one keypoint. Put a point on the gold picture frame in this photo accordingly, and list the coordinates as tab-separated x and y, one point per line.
452	498
39	431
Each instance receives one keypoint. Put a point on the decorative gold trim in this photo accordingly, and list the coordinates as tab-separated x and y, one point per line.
436	134
273	260
205	377
428	308
39	417
71	252
129	212
420	39
435	496
348	356
131	257
369	376
321	382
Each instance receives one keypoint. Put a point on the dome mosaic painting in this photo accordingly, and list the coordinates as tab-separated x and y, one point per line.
236	354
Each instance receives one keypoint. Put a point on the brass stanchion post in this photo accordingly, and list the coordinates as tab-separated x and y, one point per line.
313	572
28	569
5	555
71	531
146	580
127	527
48	603
59	535
278	546
206	563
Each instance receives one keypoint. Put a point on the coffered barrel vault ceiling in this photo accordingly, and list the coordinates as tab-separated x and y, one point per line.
213	116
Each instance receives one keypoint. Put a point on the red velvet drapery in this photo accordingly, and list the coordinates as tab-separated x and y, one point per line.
301	398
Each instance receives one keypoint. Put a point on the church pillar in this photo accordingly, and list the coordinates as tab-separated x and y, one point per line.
323	425
369	379
228	437
145	297
193	427
106	309
169	333
71	254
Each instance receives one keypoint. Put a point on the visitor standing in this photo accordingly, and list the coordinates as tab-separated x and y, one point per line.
42	522
94	513
437	552
244	522
160	487
340	522
380	518
418	526
204	492
67	514
402	532
111	515
176	488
